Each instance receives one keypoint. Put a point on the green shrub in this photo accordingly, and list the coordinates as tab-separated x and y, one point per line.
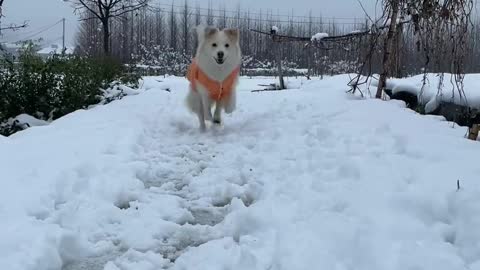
51	88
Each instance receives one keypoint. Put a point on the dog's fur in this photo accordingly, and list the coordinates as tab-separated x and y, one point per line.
198	100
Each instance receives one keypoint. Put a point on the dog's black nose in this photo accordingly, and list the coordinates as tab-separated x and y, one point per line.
220	55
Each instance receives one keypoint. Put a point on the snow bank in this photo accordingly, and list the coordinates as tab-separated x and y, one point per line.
22	121
117	91
315	180
3	140
25	119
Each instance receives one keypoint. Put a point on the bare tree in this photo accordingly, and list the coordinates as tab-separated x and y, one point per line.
1	14
159	28
105	10
173	28
185	25
88	39
222	18
439	31
393	6
209	14
13	27
198	15
1	4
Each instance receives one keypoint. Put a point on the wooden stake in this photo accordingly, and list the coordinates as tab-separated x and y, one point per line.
278	50
473	132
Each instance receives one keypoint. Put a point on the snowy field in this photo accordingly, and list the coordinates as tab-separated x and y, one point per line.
309	178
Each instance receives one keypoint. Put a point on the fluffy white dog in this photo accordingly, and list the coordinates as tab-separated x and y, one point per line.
214	73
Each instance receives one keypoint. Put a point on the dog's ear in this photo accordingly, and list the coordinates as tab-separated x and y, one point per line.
204	32
233	34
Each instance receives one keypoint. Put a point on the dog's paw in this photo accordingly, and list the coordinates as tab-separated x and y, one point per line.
208	117
229	109
203	128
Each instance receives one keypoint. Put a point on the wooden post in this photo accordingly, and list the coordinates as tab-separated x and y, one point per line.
280	69
309	62
278	53
473	132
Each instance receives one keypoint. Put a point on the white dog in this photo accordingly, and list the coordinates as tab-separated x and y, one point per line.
214	73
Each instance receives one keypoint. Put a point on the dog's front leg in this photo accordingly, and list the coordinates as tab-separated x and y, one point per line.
229	104
201	117
206	105
217	116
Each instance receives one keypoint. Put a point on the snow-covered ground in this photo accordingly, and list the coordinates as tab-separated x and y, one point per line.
309	178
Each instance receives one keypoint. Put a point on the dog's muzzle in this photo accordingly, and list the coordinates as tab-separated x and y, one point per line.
220	59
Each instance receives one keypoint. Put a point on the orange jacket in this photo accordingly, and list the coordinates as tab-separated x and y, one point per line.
218	90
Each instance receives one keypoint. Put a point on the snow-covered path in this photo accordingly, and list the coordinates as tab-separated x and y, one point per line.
303	179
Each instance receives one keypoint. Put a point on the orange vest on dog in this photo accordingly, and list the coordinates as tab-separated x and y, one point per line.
218	90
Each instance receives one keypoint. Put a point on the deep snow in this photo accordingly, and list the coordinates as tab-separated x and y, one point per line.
309	178
433	93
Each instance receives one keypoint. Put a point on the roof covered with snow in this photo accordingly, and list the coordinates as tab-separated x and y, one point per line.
55	49
11	45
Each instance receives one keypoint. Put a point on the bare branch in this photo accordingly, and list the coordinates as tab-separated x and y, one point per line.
127	9
14	27
365	11
105	10
87	7
1	3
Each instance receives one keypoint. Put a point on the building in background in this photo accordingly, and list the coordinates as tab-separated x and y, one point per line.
54	49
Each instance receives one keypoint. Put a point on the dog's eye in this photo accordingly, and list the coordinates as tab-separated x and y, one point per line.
214	44
227	45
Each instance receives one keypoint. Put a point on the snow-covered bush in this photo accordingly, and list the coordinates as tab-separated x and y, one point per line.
20	122
255	67
329	66
342	67
319	36
164	60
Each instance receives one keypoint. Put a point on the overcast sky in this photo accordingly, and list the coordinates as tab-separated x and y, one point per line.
43	13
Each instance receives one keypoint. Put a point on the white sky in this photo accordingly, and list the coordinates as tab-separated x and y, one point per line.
40	14
44	13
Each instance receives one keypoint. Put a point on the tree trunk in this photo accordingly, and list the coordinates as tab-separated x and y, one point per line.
387	48
1	14
185	29
106	37
397	62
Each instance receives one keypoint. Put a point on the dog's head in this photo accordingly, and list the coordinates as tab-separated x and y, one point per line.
222	47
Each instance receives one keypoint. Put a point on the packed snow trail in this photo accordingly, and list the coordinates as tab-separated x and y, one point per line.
310	178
